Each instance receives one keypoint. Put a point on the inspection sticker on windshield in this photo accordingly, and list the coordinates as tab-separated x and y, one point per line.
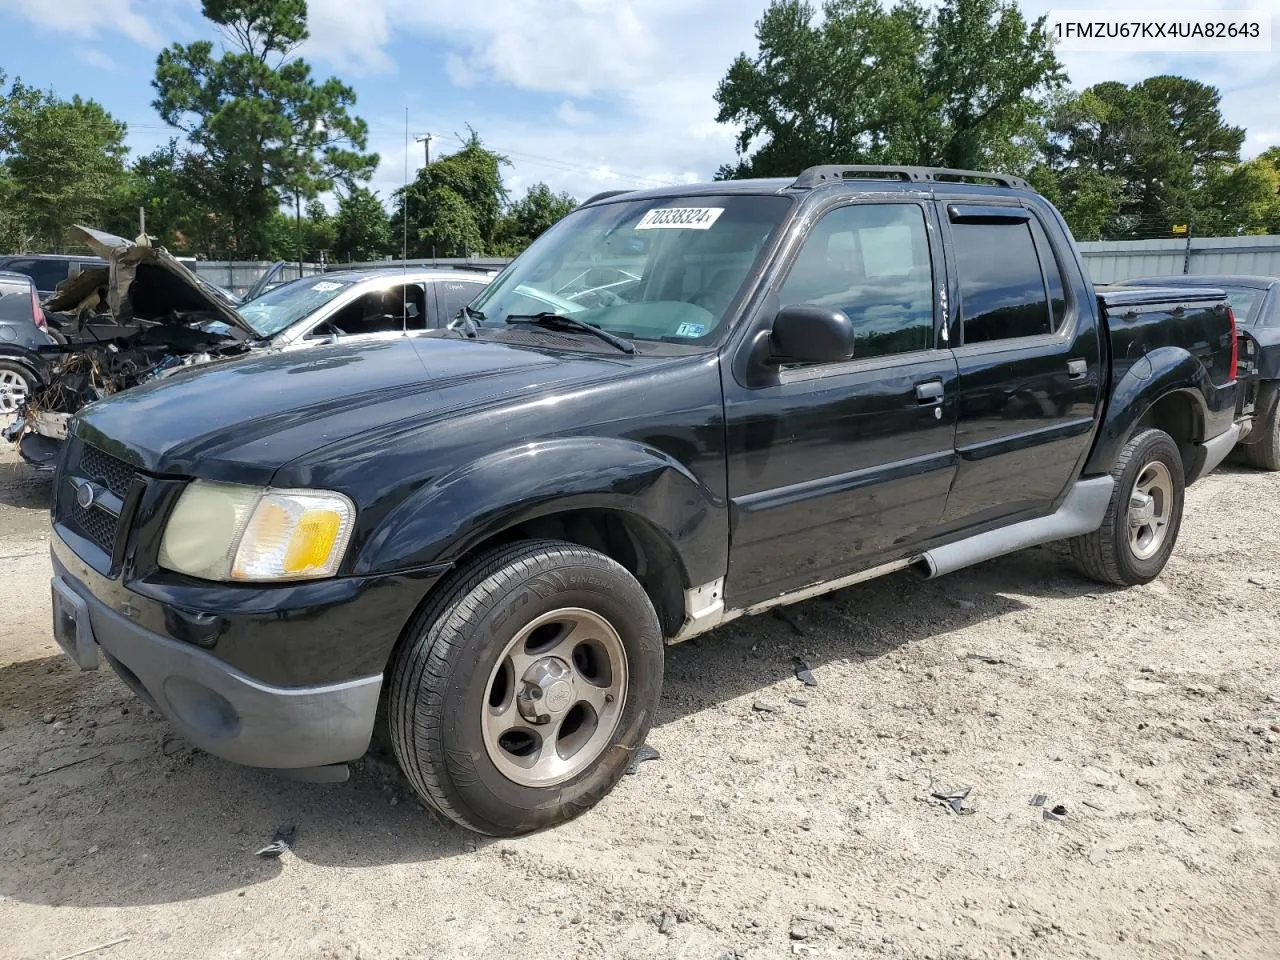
680	218
326	286
690	330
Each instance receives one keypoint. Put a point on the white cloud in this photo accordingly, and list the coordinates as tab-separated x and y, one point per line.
573	116
88	18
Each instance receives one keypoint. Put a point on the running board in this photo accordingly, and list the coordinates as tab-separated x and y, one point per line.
1082	512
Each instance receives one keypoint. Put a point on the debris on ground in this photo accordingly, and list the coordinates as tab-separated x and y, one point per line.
102	946
1057	813
804	673
954	799
1039	799
798	701
761	707
282	841
645	752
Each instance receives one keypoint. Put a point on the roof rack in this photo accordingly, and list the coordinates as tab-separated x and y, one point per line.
605	195
832	172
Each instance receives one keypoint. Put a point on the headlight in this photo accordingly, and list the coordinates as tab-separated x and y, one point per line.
224	531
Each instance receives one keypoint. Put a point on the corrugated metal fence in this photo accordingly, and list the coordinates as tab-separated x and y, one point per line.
1108	260
1111	260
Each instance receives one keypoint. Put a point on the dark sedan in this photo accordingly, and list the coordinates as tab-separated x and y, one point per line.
1256	304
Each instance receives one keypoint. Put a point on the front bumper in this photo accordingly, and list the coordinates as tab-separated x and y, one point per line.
214	706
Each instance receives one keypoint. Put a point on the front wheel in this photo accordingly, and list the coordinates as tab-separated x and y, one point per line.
1263	451
1141	524
523	689
16	384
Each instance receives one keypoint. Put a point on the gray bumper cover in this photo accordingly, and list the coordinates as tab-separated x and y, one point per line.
215	707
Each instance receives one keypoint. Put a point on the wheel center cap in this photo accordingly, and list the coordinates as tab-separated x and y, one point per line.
1142	509
547	690
558	696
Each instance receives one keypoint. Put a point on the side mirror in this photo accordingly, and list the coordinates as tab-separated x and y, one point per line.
803	333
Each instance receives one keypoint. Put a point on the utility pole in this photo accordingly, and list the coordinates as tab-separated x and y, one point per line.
297	217
425	140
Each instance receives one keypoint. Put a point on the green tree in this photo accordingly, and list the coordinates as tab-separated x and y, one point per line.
527	218
266	129
963	85
1150	152
362	228
63	163
454	204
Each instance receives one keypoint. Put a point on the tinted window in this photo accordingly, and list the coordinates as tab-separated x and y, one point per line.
1052	275
453	295
1244	302
1002	291
872	262
46	273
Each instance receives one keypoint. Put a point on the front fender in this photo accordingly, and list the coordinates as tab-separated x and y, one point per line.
444	519
1157	374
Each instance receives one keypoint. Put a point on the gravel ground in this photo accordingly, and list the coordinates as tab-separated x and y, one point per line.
780	819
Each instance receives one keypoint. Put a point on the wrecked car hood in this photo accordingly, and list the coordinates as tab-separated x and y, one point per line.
170	286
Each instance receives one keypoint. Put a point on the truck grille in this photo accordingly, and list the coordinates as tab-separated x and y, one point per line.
115	475
99	522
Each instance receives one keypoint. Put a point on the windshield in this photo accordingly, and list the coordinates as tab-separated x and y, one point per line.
288	303
665	269
1243	301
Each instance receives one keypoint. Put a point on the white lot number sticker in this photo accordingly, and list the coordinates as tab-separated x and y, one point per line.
680	218
326	286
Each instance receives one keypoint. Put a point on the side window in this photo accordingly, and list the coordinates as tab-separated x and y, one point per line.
47	274
1052	275
1002	293
379	311
453	295
872	261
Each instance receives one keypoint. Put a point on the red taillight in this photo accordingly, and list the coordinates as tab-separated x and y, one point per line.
37	315
1235	345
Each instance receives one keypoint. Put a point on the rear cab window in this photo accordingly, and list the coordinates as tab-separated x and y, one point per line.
1010	282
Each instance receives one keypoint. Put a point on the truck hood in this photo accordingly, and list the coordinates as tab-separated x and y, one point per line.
240	422
142	282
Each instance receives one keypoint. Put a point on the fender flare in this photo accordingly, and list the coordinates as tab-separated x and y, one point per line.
452	514
1158	374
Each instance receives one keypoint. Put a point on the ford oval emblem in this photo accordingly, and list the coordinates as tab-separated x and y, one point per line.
85	495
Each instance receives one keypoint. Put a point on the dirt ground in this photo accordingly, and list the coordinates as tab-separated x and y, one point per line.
780	820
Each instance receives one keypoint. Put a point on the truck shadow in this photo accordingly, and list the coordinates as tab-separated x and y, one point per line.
147	819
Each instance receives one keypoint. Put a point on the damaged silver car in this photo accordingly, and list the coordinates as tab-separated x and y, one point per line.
141	316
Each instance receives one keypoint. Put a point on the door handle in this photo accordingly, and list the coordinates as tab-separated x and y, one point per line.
1077	369
929	392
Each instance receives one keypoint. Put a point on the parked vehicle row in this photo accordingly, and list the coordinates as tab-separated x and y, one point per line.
142	315
677	407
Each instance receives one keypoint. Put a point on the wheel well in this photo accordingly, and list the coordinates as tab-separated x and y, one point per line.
1178	416
627	539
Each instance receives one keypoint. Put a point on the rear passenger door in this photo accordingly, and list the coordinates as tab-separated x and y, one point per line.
1028	357
448	296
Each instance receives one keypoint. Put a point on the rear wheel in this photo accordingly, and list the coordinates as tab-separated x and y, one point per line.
16	384
1264	451
1141	524
523	689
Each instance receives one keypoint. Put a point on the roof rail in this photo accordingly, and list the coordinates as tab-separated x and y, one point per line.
832	172
604	195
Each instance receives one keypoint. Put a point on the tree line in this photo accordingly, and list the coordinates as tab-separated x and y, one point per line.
259	140
972	84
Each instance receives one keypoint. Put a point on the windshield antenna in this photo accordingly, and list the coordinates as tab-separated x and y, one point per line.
404	243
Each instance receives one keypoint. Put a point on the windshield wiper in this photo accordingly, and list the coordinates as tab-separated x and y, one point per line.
465	321
559	321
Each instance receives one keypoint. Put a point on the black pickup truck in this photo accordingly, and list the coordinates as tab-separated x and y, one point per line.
677	407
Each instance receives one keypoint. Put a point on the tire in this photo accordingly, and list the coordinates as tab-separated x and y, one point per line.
1119	552
10	375
1264	452
455	681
